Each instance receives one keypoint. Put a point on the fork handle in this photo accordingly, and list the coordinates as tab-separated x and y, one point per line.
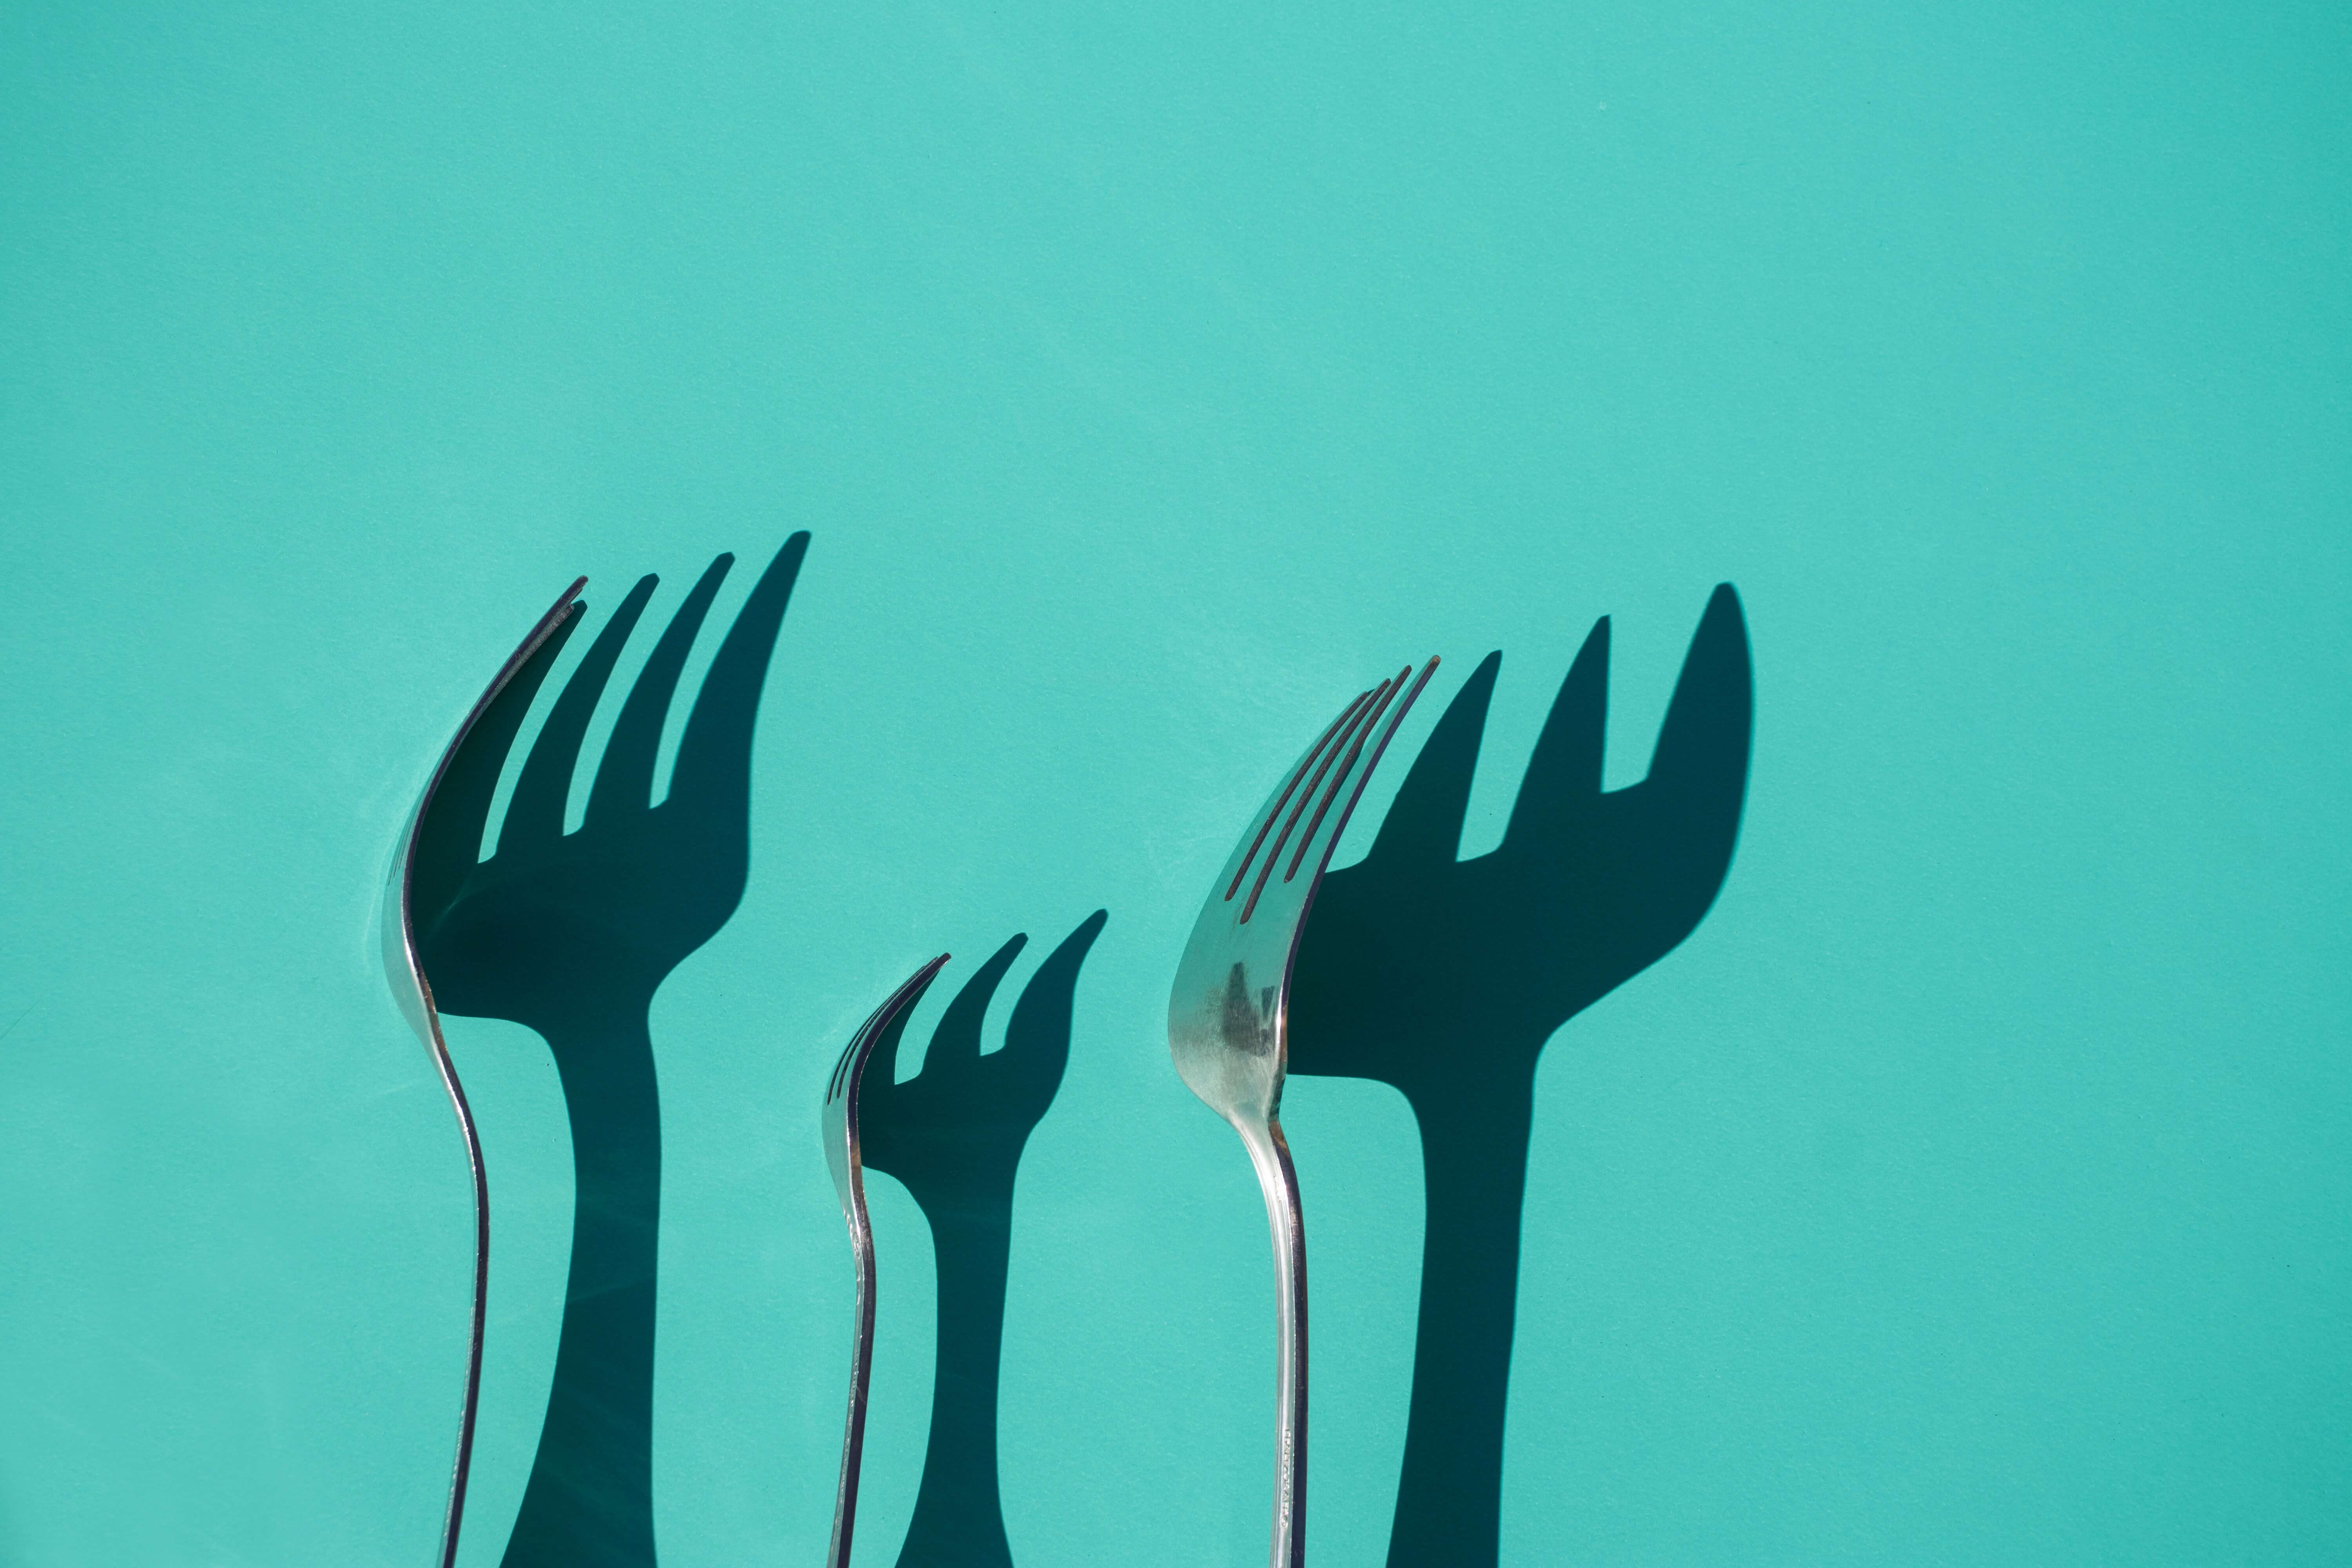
1270	1154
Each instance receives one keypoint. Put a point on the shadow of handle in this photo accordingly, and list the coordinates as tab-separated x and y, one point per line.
959	1515
589	1499
1449	1487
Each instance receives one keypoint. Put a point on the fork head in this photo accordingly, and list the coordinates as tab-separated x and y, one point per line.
561	930
842	1152
1227	1014
495	715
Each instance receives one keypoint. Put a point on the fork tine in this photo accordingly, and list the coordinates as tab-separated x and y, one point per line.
1378	696
625	779
1274	812
850	1053
1370	723
449	837
1396	720
892	1016
536	811
841	1065
1424	820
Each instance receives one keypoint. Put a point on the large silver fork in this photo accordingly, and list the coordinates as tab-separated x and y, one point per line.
843	1154
1228	1025
405	967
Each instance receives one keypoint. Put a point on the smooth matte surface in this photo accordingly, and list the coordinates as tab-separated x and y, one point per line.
1972	1186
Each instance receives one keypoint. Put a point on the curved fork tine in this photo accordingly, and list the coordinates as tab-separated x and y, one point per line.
406	969
839	1079
1424	820
1355	746
449	835
1246	856
1328	751
1340	821
841	1153
1373	760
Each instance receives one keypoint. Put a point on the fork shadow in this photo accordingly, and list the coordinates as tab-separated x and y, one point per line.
571	935
1445	977
953	1136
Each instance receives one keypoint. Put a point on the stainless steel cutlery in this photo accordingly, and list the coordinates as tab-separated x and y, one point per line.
1228	1024
1230	1008
842	1152
404	966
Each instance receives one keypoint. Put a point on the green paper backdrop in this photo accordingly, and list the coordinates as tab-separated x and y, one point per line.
1972	1187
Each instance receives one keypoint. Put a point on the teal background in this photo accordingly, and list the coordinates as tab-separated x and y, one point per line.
1972	1187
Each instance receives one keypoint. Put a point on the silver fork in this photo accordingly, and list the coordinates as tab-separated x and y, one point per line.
406	968
842	1152
1228	1021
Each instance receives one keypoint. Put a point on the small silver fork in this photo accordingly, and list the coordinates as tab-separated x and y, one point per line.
842	1154
1228	1020
404	967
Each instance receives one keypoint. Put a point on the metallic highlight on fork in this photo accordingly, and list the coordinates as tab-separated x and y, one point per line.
1228	1021
842	1153
414	993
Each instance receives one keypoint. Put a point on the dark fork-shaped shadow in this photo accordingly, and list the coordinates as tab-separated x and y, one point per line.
953	1136
570	934
1445	977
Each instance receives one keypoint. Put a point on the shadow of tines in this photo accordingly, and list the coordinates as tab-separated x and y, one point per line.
953	1136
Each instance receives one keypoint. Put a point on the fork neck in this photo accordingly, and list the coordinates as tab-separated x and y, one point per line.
1269	1153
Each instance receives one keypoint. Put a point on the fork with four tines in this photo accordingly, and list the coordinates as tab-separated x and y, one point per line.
1228	1020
